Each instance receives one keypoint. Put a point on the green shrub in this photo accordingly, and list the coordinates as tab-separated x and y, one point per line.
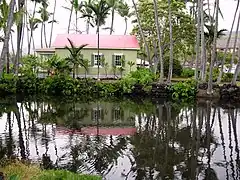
142	76
60	85
227	77
183	90
215	74
177	67
187	72
8	84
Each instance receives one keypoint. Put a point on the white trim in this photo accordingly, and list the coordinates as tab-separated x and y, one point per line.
118	54
97	54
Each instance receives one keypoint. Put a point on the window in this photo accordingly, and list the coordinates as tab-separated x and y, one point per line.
118	59
97	59
97	114
117	114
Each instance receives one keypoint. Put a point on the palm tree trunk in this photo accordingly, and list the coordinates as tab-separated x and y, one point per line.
171	43
8	59
45	34
235	44
112	21
227	46
214	47
126	26
53	18
197	40
21	5
203	59
87	25
98	58
76	21
31	29
70	19
26	23
159	42
142	36
42	35
12	44
237	70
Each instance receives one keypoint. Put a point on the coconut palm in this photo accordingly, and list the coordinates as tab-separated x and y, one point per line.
44	14
159	40
142	34
171	43
7	35
114	7
100	13
228	42
214	50
124	11
76	58
52	22
86	11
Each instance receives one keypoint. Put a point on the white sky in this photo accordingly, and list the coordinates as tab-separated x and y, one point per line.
62	16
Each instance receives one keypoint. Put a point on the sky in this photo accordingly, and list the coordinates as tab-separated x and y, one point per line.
62	16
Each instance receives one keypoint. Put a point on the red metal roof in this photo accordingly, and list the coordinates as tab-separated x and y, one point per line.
106	41
99	131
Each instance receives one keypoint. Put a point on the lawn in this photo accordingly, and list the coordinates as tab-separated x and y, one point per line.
20	171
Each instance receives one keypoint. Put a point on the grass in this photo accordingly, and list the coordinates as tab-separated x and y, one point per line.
20	171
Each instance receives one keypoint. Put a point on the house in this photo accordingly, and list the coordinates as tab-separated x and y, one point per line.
112	47
222	42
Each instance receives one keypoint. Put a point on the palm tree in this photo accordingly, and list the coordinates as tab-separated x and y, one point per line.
44	18
124	11
4	12
76	58
203	59
159	40
33	23
114	6
171	43
88	12
7	35
142	34
197	46
228	42
100	13
52	22
21	6
214	47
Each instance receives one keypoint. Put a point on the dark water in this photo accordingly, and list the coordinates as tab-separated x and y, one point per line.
122	140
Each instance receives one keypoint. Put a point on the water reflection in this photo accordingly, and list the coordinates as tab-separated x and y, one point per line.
123	139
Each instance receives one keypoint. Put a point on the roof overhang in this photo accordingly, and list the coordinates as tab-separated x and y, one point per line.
129	49
47	50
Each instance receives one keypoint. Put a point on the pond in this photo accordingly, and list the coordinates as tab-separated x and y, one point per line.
124	139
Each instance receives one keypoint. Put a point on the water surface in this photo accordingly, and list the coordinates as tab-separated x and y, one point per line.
124	139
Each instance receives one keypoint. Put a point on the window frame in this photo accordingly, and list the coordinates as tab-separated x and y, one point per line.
94	111
94	59
115	59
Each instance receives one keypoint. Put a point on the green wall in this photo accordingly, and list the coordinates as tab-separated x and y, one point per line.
130	55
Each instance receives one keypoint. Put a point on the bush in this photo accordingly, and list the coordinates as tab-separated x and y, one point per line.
227	77
8	84
215	74
184	90
142	77
177	67
187	73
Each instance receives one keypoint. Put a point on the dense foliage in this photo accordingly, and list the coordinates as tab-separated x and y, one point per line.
184	90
